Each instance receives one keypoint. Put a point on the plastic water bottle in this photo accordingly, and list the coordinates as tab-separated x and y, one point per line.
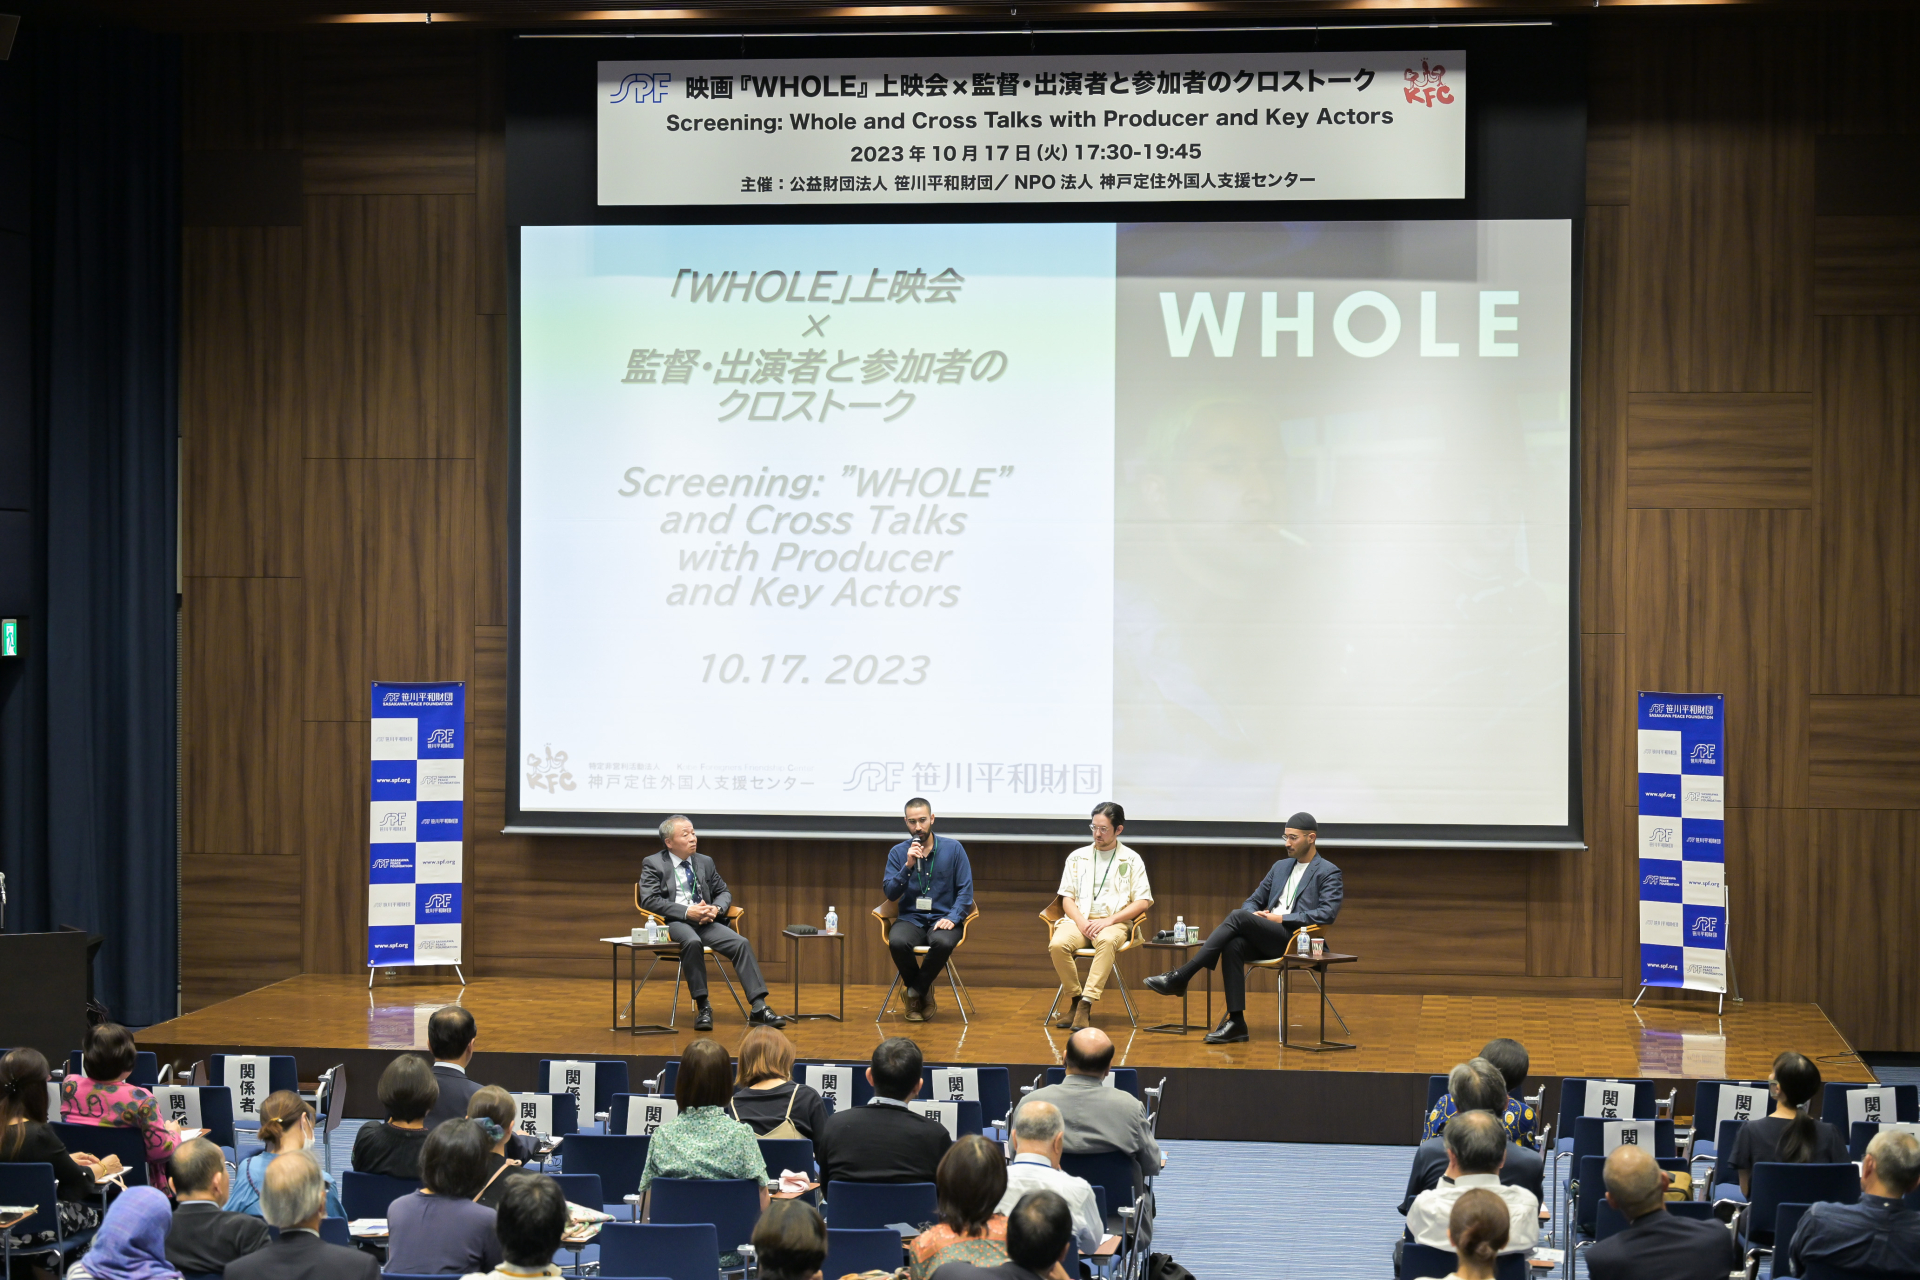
1305	945
833	921
1179	928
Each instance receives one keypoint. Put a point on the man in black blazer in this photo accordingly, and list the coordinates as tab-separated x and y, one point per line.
683	887
450	1037
294	1199
204	1237
1476	1085
884	1141
1301	889
1656	1244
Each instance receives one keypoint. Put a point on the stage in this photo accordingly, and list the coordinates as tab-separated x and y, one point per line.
1257	1091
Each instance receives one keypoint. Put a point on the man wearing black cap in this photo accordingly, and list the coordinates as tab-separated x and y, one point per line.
1301	889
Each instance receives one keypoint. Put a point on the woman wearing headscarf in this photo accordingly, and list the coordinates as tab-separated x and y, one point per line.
132	1243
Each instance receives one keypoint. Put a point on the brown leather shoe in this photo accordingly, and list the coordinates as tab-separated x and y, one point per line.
928	1005
1082	1014
915	1010
1065	1019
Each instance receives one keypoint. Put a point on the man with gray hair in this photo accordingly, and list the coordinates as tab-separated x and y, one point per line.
1039	1135
1879	1236
1656	1243
1474	1085
1476	1148
681	885
293	1197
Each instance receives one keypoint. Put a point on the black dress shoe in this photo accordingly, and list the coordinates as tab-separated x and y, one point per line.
764	1016
703	1020
1231	1030
1168	984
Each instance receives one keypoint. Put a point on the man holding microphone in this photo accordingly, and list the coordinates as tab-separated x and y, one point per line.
931	879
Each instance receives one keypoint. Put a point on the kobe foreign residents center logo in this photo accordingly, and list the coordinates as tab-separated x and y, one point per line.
643	86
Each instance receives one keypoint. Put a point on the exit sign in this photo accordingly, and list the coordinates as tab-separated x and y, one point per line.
9	637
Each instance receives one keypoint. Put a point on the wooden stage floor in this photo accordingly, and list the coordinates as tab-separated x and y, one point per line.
324	1018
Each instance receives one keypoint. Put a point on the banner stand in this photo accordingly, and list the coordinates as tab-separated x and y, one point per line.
1733	979
416	825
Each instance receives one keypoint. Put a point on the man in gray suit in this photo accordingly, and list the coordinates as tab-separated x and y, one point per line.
1098	1116
683	887
1301	889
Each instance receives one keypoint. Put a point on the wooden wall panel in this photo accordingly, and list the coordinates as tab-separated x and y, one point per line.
1866	266
333	826
419	585
1870	865
420	331
492	286
1864	753
1776	891
240	91
241	733
1720	450
391	113
493	469
1604	338
335	666
240	917
334	307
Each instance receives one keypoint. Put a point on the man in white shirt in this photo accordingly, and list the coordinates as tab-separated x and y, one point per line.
1039	1135
1476	1148
1103	890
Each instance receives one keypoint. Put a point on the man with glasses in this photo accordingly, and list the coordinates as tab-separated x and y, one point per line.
1102	891
1301	889
683	887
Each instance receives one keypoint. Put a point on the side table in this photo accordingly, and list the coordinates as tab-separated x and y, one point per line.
1181	1027
795	939
1317	967
633	990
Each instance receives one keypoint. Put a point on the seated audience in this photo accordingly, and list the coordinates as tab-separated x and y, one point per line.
294	1198
132	1242
531	1223
791	1241
439	1230
969	1182
884	1141
204	1237
26	1138
1509	1058
1038	1232
286	1124
451	1034
768	1100
1039	1137
1477	1234
1655	1242
1879	1236
407	1092
1787	1135
1477	1145
494	1110
1099	1118
1475	1086
102	1096
703	1141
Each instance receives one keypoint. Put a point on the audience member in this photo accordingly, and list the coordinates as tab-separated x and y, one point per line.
1787	1135
1038	1232
1879	1236
1475	1086
450	1037
204	1237
286	1124
132	1242
884	1141
1476	1145
1656	1243
495	1111
102	1096
1509	1058
970	1228
294	1198
407	1092
439	1230
1477	1234
1099	1118
791	1241
1039	1136
767	1099
531	1223
26	1138
703	1141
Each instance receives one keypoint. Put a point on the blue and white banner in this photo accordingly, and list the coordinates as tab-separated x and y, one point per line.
1683	886
415	821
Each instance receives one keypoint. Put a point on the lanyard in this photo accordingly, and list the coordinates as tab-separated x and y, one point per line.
926	865
1103	875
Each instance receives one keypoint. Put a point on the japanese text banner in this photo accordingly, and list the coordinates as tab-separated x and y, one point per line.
1683	890
1378	125
415	823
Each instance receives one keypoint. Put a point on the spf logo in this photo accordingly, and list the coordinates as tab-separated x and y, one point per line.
1702	753
442	738
643	86
393	822
439	902
1662	836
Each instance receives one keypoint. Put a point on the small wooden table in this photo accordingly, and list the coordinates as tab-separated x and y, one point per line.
1181	1027
795	939
633	990
1317	966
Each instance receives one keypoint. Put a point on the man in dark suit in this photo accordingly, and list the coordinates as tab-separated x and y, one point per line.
884	1141
1879	1236
294	1199
1038	1231
1301	889
204	1237
451	1033
1476	1085
683	887
1656	1245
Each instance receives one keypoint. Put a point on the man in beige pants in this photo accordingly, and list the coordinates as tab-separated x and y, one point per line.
1103	890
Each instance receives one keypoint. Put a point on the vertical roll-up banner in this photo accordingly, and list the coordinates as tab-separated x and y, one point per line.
415	823
1683	886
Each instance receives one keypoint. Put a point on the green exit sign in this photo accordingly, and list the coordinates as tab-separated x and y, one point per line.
9	637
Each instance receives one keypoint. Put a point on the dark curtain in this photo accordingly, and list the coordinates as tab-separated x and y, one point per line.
88	835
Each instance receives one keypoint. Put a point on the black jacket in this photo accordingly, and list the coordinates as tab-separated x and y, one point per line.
879	1143
1661	1246
456	1091
656	886
299	1255
205	1238
1524	1168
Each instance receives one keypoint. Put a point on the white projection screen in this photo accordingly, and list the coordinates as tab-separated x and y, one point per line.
1220	520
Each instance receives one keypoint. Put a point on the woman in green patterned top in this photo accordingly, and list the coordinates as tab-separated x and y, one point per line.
703	1141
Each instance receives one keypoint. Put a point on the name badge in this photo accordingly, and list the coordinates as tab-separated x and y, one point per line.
923	903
